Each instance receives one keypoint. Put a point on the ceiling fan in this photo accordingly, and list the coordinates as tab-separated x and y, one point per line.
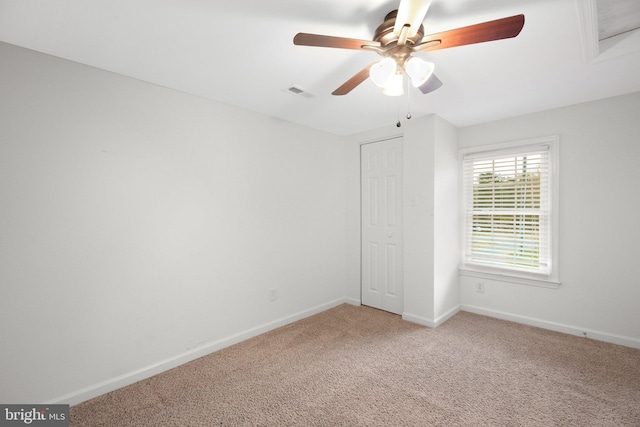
402	34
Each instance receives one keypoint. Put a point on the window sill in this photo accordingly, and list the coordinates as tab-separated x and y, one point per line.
511	278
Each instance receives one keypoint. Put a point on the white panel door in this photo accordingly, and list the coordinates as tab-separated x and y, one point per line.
381	195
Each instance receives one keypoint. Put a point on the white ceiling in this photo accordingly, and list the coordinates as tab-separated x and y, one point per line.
241	53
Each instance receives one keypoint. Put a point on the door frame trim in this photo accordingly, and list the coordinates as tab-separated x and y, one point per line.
360	144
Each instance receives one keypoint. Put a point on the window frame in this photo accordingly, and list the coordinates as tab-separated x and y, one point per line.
551	280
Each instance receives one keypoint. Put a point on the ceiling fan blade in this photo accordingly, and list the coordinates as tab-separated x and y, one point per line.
499	29
411	12
354	81
431	84
305	39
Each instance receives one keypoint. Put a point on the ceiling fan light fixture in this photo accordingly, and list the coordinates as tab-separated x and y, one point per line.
418	70
394	86
383	71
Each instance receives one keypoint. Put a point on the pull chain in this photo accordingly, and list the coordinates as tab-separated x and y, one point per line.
408	101
408	116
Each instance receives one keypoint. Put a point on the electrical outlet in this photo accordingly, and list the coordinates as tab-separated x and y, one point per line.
480	287
273	294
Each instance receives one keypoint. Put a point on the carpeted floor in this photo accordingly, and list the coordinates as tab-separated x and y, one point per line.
358	366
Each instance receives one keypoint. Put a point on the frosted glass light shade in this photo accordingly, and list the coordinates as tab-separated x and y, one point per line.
418	70
394	86
381	72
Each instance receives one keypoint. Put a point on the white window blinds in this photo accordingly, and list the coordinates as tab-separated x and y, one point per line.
507	209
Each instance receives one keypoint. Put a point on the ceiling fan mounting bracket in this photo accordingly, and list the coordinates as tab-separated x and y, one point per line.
393	45
385	35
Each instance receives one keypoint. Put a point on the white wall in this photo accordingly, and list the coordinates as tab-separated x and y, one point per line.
141	227
446	225
599	235
419	181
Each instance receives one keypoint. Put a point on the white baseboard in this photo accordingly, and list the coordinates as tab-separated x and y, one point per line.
418	319
132	377
432	323
558	327
446	316
353	301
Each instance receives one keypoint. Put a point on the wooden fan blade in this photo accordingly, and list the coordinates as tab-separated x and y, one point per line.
499	29
411	12
431	84
354	81
305	39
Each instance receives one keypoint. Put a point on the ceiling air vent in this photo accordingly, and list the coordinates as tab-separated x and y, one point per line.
297	90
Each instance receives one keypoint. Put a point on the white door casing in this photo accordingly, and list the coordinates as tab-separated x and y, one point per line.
381	222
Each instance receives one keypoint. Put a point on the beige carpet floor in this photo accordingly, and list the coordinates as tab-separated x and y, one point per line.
357	366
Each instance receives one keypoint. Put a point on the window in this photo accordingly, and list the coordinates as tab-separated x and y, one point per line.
508	209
